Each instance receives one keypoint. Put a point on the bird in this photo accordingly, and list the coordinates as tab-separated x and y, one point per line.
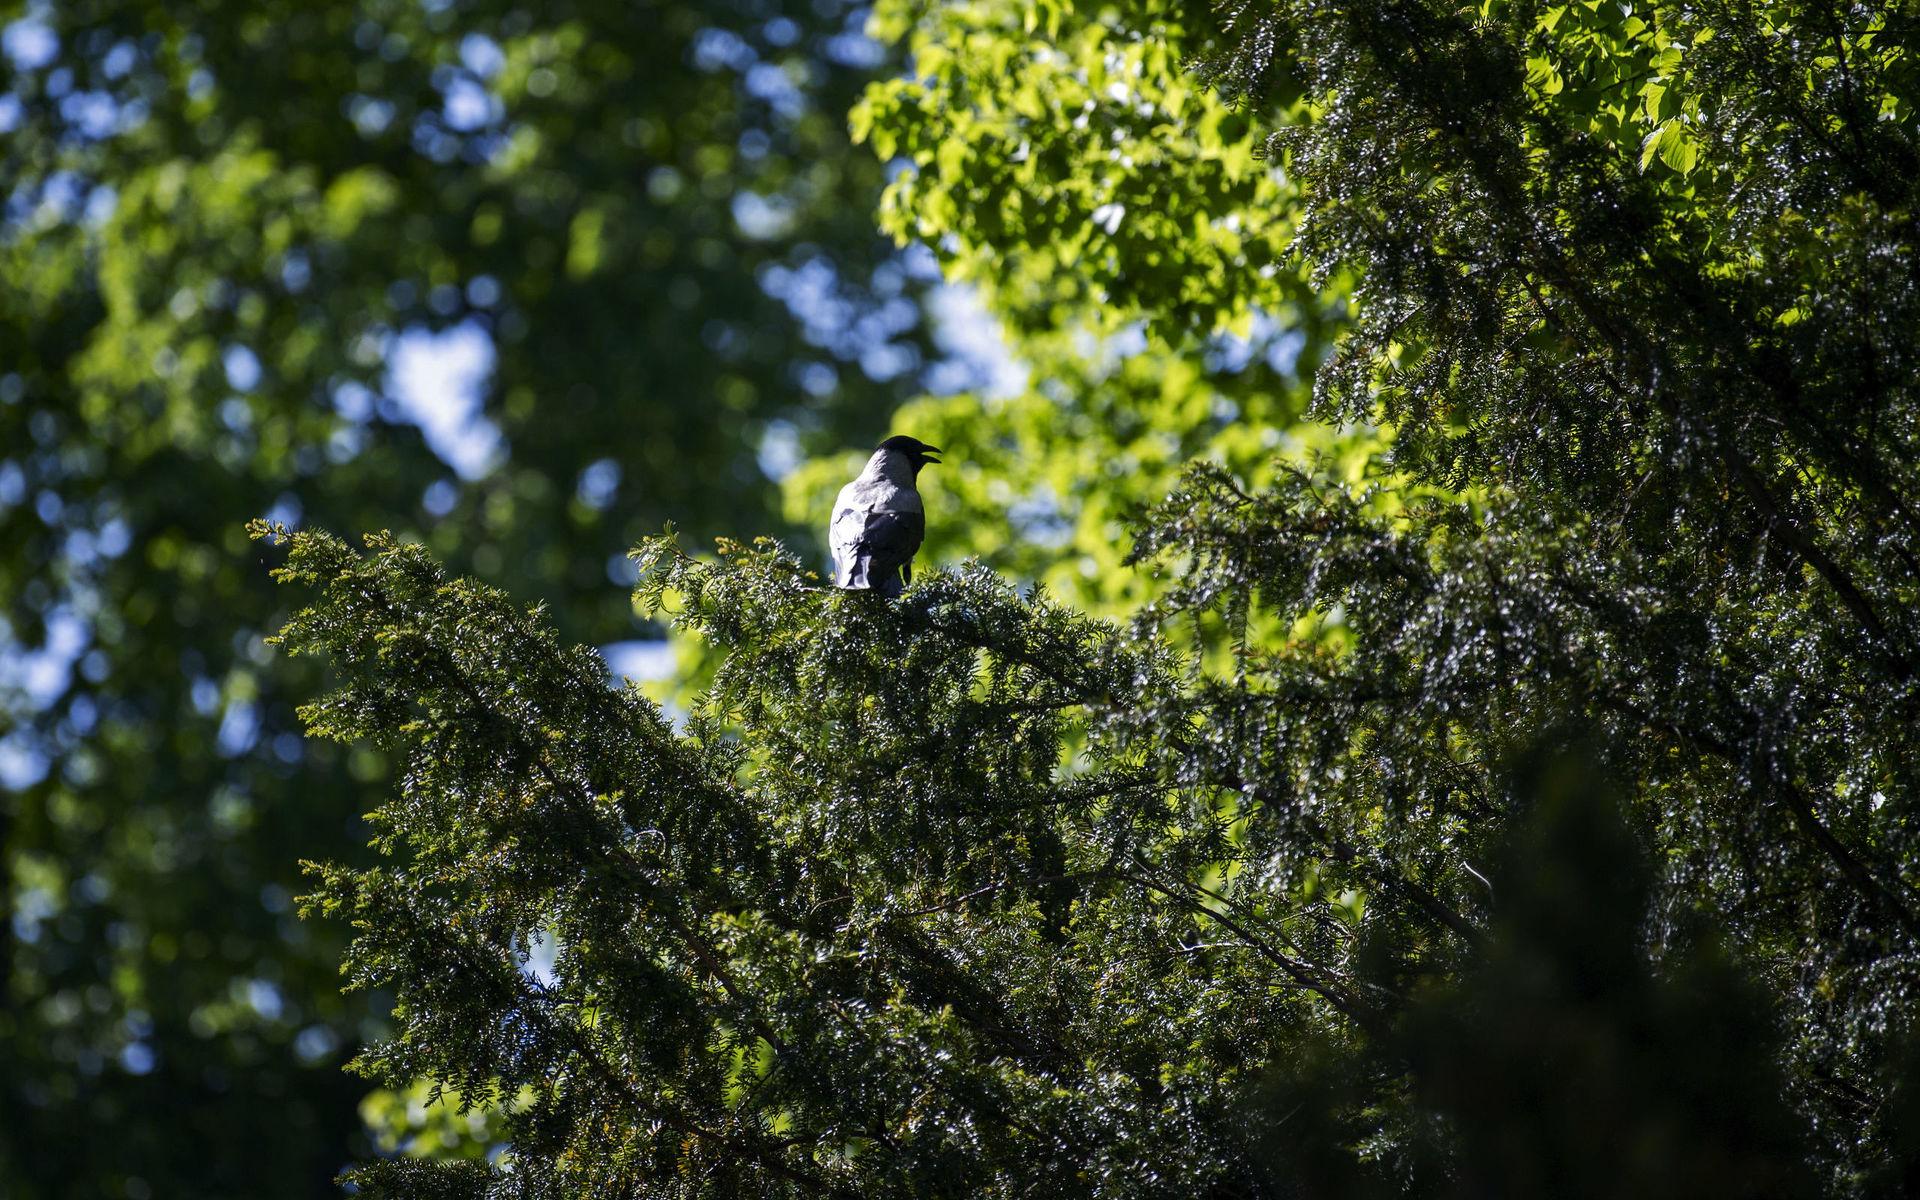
878	519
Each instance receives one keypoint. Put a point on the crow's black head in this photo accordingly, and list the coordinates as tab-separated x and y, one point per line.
918	452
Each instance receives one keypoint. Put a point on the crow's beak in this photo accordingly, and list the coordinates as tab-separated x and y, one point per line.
927	453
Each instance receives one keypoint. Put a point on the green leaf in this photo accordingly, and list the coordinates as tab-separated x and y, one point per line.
1673	144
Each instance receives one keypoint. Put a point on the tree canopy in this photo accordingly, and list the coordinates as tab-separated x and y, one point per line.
1426	706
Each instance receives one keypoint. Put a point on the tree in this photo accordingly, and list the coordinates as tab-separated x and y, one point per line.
975	894
225	228
1118	220
853	931
1626	307
1677	387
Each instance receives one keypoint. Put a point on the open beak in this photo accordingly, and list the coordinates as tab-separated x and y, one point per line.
927	454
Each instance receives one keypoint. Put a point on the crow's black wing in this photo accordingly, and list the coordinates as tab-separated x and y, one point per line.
873	548
890	542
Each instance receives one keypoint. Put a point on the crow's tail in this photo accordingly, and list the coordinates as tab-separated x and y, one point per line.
853	573
857	574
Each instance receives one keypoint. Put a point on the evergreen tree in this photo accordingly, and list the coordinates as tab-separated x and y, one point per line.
970	894
1634	310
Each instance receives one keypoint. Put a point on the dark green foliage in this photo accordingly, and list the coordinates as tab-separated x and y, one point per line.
852	932
1566	1066
967	895
1676	375
1563	1064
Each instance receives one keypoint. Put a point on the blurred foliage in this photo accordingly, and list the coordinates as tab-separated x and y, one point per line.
423	1121
229	231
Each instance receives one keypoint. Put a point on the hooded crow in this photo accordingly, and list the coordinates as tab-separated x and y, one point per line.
878	519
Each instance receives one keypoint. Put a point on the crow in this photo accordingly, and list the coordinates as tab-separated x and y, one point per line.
878	519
